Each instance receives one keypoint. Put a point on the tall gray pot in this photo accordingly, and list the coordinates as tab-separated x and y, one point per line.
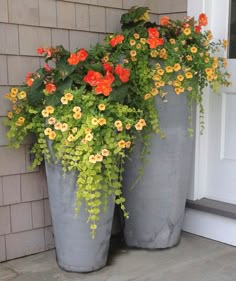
156	204
76	250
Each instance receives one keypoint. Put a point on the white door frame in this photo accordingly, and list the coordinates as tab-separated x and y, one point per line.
195	8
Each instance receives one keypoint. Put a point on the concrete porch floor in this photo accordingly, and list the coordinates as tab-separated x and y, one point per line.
194	259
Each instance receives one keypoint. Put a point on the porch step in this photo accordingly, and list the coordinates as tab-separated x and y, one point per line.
213	207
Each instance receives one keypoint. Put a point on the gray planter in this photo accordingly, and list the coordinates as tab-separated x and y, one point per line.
156	204
75	249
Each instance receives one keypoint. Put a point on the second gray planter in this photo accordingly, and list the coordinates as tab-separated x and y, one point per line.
156	204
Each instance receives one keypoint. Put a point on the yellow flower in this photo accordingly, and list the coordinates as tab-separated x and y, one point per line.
58	126
147	96
127	126
64	127
163	51
210	77
64	100
142	122
157	65
106	59
128	144
94	121
98	157
154	91
77	115
132	42
193	49
160	71
156	77
118	123
169	69
162	83
177	67
209	71
74	130
209	35
49	109
51	121
52	135
70	138
45	113
47	131
89	137
13	94
83	141
133	53
187	31
180	77
154	53
92	159
138	46
101	107
9	114
14	91
105	152
206	60
119	129
21	95
136	36
18	110
69	96
172	41
189	88
138	127
134	59
143	40
102	121
21	120
188	75
76	109
87	131
189	58
225	43
177	91
121	144
225	62
176	83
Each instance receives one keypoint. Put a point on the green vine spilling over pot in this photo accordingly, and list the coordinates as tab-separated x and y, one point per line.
90	105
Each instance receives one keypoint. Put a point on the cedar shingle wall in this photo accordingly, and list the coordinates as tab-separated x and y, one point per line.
25	222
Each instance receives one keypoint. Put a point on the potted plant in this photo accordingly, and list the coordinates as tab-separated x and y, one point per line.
171	63
83	131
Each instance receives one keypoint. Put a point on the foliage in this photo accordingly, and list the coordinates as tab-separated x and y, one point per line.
92	104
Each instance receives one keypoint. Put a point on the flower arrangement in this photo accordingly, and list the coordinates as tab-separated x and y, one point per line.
92	104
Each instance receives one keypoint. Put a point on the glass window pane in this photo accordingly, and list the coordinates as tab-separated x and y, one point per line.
232	36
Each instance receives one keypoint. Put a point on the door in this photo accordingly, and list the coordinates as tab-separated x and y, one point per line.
215	165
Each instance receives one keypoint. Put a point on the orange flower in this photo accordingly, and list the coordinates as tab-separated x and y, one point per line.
164	21
50	88
82	55
154	42
153	32
123	73
202	20
73	59
116	40
197	28
103	87
92	78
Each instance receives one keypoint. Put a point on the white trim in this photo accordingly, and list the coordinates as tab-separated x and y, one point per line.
198	189
211	226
